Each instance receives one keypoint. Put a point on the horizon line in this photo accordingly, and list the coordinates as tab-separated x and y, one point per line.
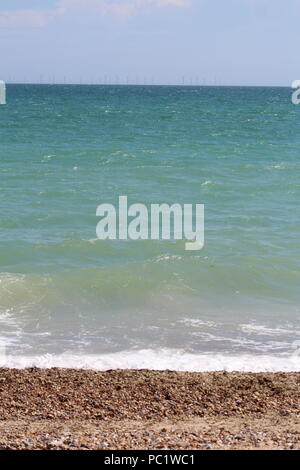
186	85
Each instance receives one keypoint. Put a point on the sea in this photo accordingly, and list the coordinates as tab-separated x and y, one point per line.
68	299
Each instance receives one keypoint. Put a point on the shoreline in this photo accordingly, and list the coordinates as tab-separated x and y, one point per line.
158	360
145	409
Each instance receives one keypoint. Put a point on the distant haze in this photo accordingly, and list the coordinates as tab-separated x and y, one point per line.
199	42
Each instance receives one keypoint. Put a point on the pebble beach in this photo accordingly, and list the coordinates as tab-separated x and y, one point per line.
63	409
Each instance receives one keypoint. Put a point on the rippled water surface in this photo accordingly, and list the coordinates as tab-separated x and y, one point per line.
67	298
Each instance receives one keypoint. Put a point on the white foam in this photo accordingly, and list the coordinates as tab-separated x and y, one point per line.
195	322
263	330
167	258
163	359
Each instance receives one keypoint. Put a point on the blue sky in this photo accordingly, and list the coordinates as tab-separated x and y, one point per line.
226	42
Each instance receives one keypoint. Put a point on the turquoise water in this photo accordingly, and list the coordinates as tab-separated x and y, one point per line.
67	298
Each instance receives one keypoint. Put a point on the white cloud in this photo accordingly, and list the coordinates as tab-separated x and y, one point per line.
177	3
25	18
119	8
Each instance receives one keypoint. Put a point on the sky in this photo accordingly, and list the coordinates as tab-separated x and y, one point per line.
205	42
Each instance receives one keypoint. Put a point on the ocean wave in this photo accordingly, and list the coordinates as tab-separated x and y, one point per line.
161	359
263	330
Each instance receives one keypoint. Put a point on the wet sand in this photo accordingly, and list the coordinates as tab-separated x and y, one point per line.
77	409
